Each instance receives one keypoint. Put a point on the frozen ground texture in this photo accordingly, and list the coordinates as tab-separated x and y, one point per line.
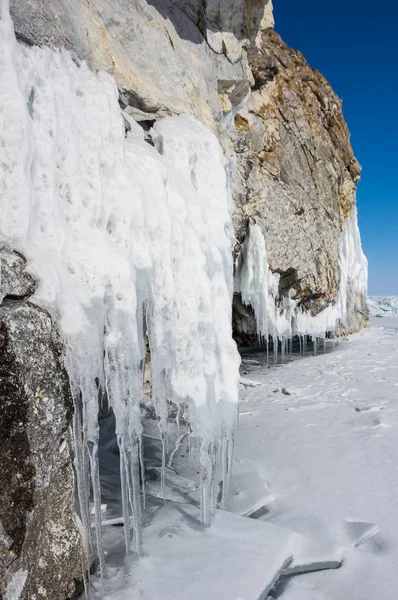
327	446
383	306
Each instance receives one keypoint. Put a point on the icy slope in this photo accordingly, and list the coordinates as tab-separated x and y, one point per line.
385	306
122	237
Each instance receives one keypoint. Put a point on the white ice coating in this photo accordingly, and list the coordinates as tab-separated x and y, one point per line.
284	318
121	236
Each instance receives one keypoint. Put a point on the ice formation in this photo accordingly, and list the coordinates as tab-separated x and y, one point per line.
386	306
123	238
282	318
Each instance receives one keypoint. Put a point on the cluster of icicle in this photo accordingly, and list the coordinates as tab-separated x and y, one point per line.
281	319
124	238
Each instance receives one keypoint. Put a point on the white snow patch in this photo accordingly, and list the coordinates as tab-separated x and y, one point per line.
328	453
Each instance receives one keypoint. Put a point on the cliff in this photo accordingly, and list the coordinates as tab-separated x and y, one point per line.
291	173
280	123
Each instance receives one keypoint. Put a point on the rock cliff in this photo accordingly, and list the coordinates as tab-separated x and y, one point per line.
279	121
293	173
296	174
40	540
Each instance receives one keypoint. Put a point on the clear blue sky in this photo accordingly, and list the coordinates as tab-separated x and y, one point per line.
354	43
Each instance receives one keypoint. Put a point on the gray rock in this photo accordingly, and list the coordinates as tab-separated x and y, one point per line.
14	280
40	538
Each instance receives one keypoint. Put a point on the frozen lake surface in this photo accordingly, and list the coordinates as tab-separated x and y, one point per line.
322	431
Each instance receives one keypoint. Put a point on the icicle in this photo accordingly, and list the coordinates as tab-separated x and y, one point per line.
142	469
190	445
206	479
81	471
125	498
93	453
135	497
224	466
229	471
163	474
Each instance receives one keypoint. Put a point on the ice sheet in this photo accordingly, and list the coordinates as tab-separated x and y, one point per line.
236	558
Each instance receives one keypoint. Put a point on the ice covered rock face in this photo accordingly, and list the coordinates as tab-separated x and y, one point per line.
284	318
122	237
107	222
294	169
40	541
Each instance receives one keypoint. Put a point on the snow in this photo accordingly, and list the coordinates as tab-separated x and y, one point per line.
122	236
328	452
282	318
383	306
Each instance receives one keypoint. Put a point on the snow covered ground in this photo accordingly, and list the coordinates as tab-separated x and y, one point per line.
323	432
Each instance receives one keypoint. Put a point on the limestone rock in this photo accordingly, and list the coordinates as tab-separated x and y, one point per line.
167	56
40	540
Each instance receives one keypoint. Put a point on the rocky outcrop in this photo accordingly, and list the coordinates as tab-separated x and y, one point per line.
167	56
296	172
40	539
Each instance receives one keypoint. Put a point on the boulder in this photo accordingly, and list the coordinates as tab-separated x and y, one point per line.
40	536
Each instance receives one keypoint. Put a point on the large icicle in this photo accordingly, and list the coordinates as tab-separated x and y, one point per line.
258	287
117	233
284	318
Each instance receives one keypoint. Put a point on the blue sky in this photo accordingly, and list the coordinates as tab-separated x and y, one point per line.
354	43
